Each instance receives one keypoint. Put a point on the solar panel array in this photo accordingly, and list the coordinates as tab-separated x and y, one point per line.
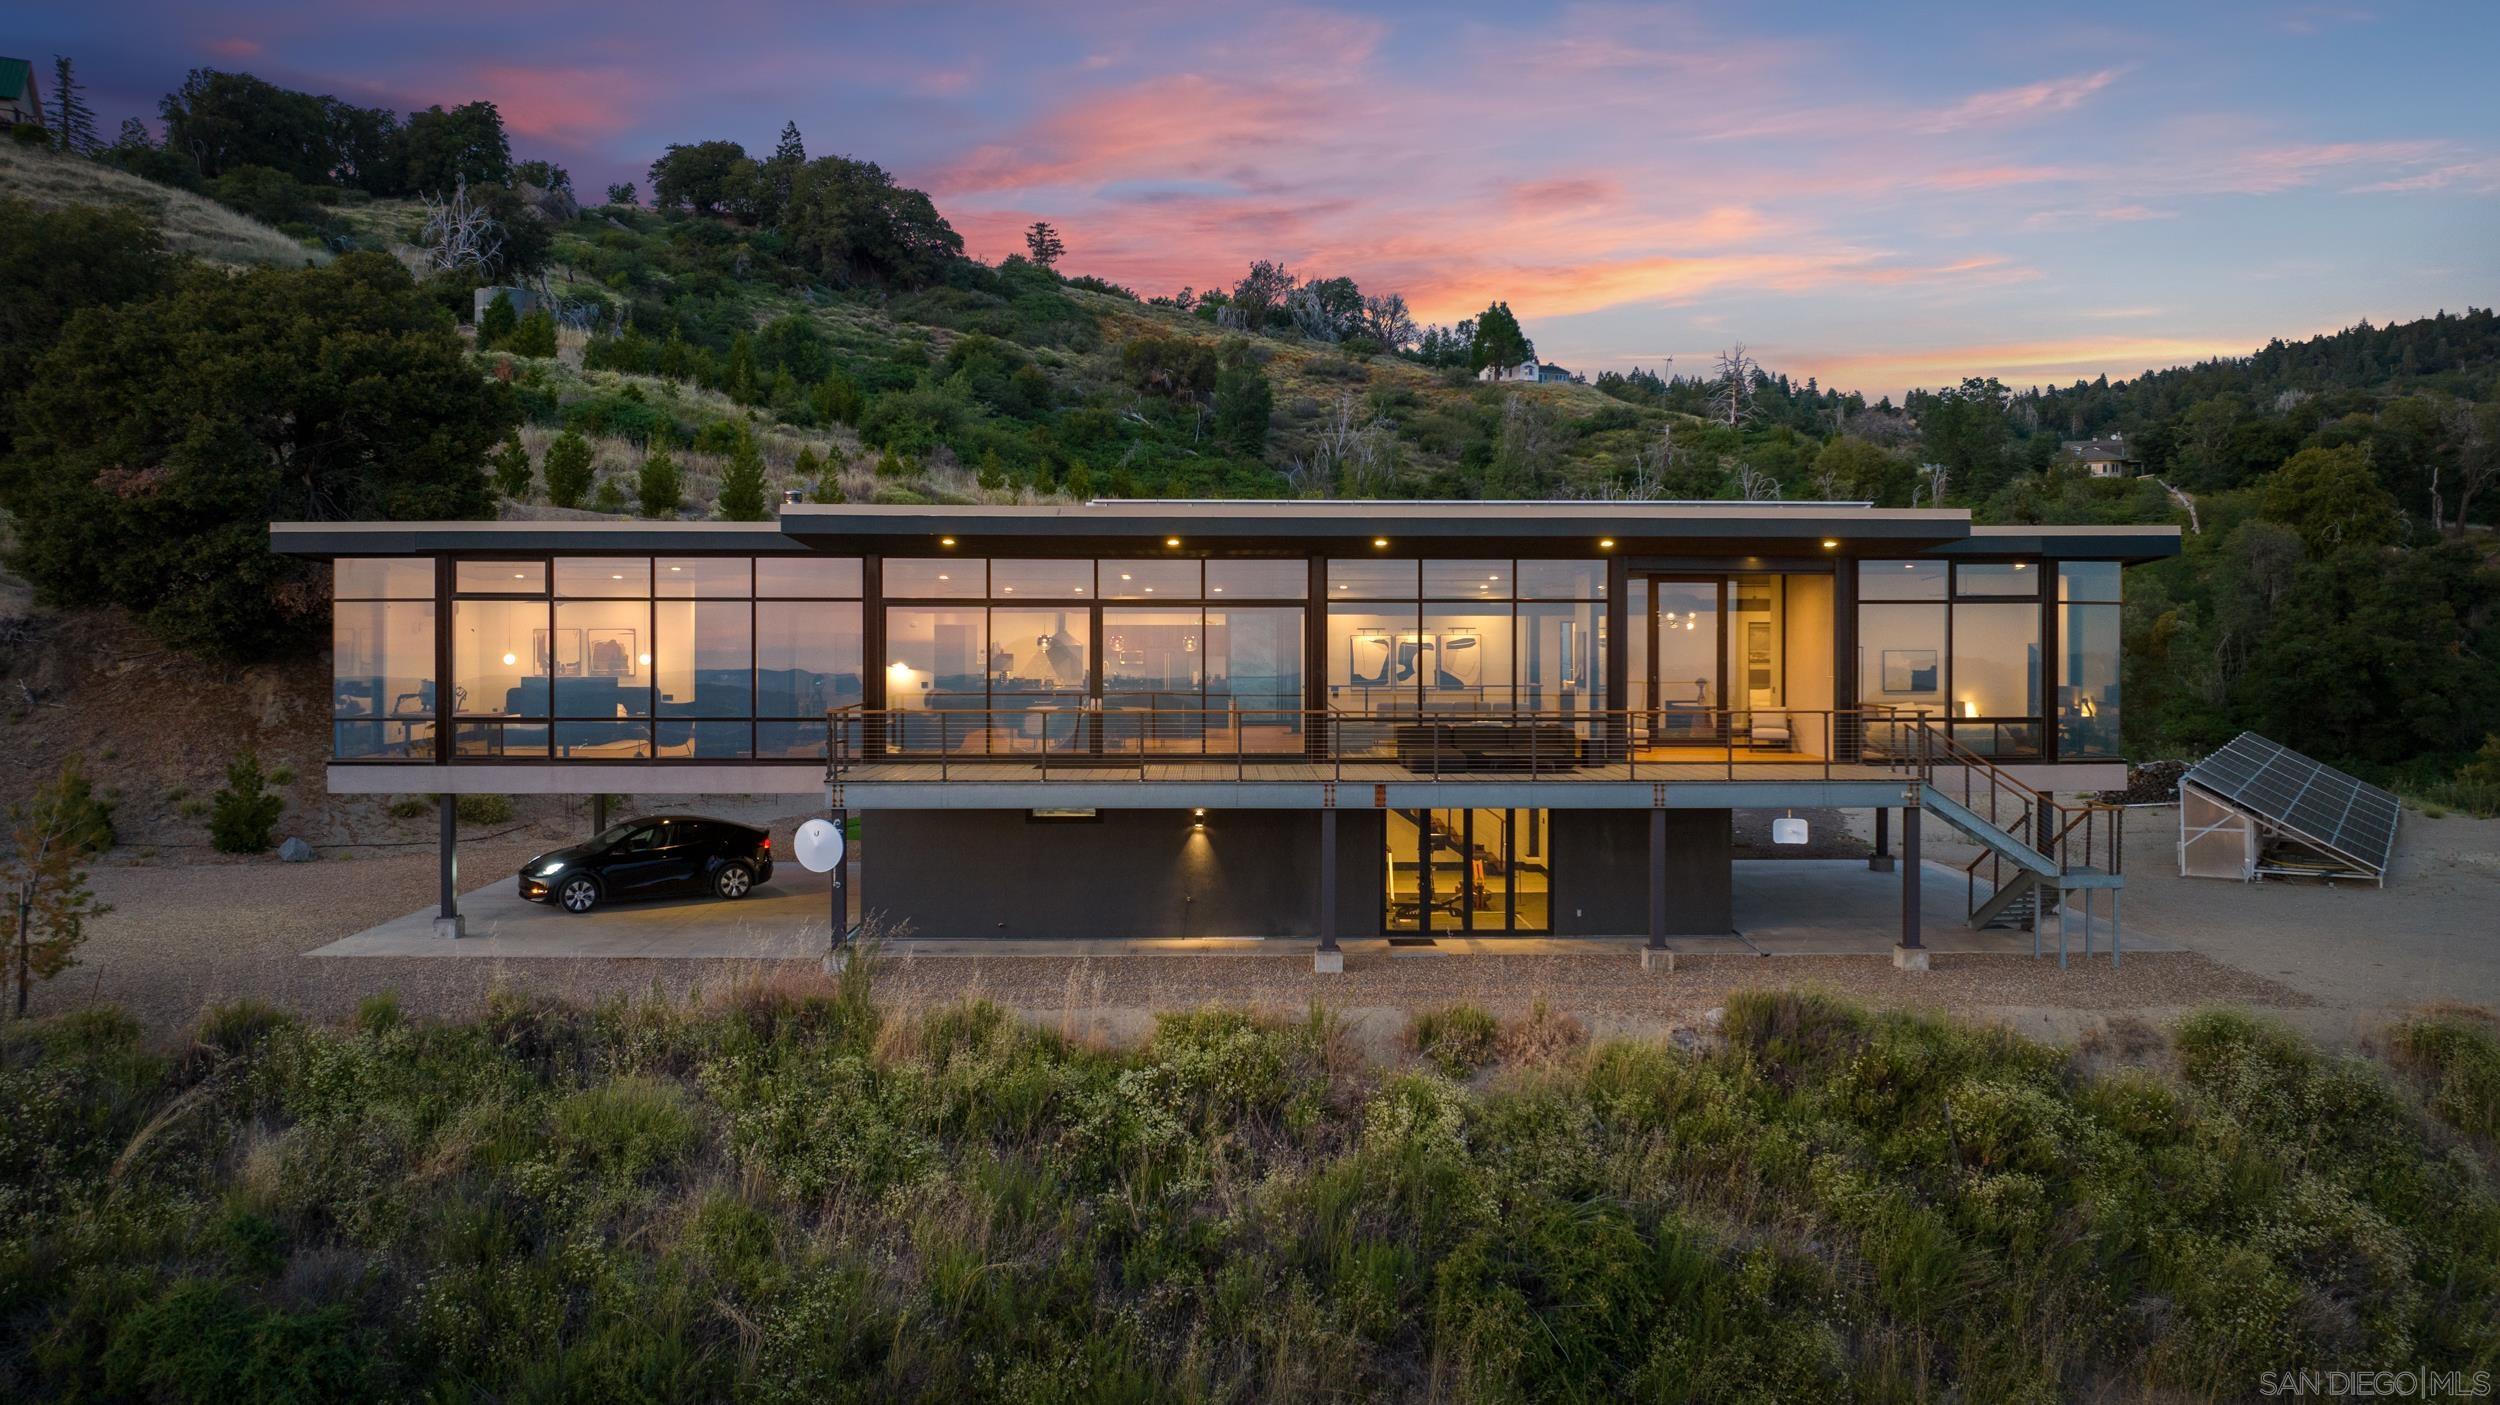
2317	803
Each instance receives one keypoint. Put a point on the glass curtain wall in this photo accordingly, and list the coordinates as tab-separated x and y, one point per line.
2088	605
383	704
605	658
1457	637
1961	642
1164	655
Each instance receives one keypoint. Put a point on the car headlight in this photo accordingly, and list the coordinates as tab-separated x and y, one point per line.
551	870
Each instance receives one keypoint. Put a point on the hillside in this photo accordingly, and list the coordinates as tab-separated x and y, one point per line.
193	224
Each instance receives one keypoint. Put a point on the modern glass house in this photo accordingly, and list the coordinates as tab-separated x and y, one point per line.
1280	719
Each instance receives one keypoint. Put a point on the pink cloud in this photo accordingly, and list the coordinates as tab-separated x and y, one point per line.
235	48
2012	104
557	104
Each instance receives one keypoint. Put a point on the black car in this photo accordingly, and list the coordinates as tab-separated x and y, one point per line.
657	856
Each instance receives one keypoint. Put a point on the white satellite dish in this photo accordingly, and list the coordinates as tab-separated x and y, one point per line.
1788	830
818	845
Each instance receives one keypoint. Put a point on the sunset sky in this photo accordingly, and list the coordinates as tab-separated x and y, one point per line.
1881	196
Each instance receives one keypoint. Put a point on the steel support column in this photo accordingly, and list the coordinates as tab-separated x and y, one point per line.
447	857
1909	876
1881	860
840	903
1328	960
1657	879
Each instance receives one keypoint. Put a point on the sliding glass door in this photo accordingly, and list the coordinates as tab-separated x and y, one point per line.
1459	872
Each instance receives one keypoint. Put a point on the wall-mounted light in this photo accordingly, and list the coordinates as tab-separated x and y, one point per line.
1198	821
511	659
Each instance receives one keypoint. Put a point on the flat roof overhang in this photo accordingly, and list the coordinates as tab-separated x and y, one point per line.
326	539
1638	530
1411	528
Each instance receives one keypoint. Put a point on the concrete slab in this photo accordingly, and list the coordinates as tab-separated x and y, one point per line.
785	919
1837	907
1783	907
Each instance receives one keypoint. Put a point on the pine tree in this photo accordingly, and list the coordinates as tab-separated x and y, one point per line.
567	469
44	878
660	487
838	399
739	383
742	483
73	122
244	815
621	193
1044	244
511	465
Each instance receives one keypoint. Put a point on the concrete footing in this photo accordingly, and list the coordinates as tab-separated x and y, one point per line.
450	928
1879	863
1909	958
1657	959
1328	963
837	960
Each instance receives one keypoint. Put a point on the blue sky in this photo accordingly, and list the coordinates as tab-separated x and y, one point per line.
1877	196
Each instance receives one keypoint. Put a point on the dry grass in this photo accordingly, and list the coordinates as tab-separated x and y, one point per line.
193	225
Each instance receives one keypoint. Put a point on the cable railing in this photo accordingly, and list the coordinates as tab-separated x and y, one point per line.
1081	737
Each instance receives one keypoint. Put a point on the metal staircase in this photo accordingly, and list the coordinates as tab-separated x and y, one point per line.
2037	855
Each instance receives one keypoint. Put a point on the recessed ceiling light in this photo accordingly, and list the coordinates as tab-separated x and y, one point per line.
1126	576
1606	543
1171	541
1829	543
1219	590
1150	590
677	568
618	576
1380	541
946	541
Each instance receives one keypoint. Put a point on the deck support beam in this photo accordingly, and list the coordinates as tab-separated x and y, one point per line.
447	860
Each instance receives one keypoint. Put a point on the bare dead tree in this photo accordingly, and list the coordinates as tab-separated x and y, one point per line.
1651	463
2475	429
1732	399
459	233
2196	527
1351	457
1933	479
1754	485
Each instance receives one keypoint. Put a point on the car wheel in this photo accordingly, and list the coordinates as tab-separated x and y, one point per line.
733	881
577	895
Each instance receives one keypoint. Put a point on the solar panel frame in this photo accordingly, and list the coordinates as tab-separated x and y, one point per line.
2315	803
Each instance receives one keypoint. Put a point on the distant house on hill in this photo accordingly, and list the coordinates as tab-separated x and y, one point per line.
1528	370
19	101
2103	458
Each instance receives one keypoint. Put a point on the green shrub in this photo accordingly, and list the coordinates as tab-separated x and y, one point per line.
201	1342
2455	1055
411	807
483	809
511	466
1458	1038
627	1128
535	335
497	322
244	813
